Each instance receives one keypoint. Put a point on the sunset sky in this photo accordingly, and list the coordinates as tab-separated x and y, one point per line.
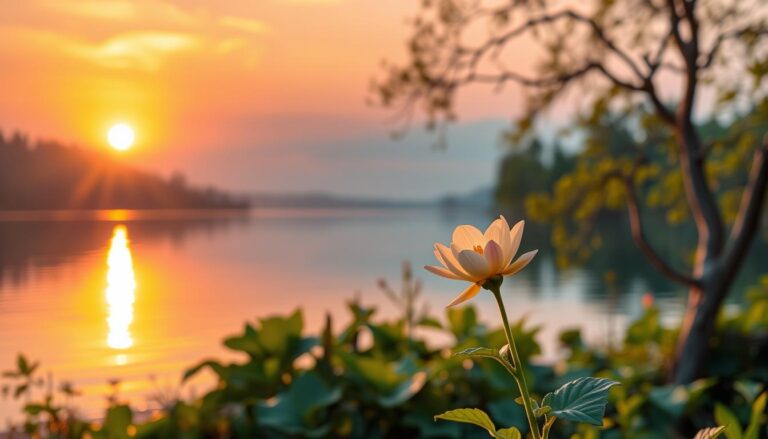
264	95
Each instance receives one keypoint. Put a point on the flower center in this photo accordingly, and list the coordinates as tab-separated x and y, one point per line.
478	249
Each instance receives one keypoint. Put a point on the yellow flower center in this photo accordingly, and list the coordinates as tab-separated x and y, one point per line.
478	249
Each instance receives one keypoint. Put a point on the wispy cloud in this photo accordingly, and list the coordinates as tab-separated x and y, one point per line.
143	50
244	24
138	50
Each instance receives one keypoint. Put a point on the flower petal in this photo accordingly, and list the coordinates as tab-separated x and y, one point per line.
499	231
495	257
516	234
474	264
467	237
469	293
442	272
447	258
520	263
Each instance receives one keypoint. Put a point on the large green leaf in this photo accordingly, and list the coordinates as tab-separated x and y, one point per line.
581	400
278	333
470	416
404	391
710	433
388	383
296	411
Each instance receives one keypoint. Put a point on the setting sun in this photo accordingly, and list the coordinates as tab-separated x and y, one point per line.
121	136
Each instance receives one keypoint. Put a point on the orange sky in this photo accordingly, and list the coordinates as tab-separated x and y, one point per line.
250	95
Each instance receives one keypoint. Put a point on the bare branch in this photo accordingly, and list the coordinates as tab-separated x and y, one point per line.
638	235
551	81
597	30
724	37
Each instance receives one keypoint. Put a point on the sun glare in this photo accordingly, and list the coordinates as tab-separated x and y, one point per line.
121	136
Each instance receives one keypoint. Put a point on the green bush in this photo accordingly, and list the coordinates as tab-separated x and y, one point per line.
371	379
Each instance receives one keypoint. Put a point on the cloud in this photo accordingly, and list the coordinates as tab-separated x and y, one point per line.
144	50
140	50
244	24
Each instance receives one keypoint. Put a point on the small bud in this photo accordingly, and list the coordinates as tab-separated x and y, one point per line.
506	355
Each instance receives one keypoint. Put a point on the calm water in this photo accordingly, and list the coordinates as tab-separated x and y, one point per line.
139	297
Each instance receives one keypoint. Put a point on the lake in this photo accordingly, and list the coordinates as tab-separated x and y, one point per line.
140	296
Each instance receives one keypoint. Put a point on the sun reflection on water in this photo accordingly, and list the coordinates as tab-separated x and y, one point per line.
120	292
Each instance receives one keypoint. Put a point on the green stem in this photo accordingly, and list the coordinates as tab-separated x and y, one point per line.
519	371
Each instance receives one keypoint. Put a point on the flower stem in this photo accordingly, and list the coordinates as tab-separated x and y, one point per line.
519	371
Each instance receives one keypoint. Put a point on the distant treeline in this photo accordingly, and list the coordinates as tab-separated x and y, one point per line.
49	175
523	172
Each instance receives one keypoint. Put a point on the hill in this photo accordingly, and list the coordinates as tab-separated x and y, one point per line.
49	175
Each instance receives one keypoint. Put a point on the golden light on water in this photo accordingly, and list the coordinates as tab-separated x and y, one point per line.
120	292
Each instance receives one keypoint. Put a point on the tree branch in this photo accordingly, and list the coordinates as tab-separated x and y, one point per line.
638	235
750	210
597	30
726	36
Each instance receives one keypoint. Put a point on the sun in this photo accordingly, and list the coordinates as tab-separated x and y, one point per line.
121	136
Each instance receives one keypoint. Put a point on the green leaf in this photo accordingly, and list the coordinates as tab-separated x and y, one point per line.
470	416
710	433
758	413
748	389
117	421
22	364
215	366
462	322
404	391
34	409
581	400
20	390
509	433
429	322
724	416
297	411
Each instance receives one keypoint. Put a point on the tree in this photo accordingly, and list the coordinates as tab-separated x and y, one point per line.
617	56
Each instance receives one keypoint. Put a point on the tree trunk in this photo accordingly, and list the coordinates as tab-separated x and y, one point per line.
716	272
697	329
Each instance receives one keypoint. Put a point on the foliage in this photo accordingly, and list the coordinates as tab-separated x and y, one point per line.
587	191
334	384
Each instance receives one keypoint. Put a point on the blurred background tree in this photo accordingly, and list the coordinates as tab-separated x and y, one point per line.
643	148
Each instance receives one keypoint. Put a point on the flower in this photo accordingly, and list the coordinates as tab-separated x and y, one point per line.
477	257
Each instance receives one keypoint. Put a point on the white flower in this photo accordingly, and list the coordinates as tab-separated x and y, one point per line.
475	256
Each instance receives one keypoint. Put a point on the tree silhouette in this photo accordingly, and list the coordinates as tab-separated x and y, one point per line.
48	175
